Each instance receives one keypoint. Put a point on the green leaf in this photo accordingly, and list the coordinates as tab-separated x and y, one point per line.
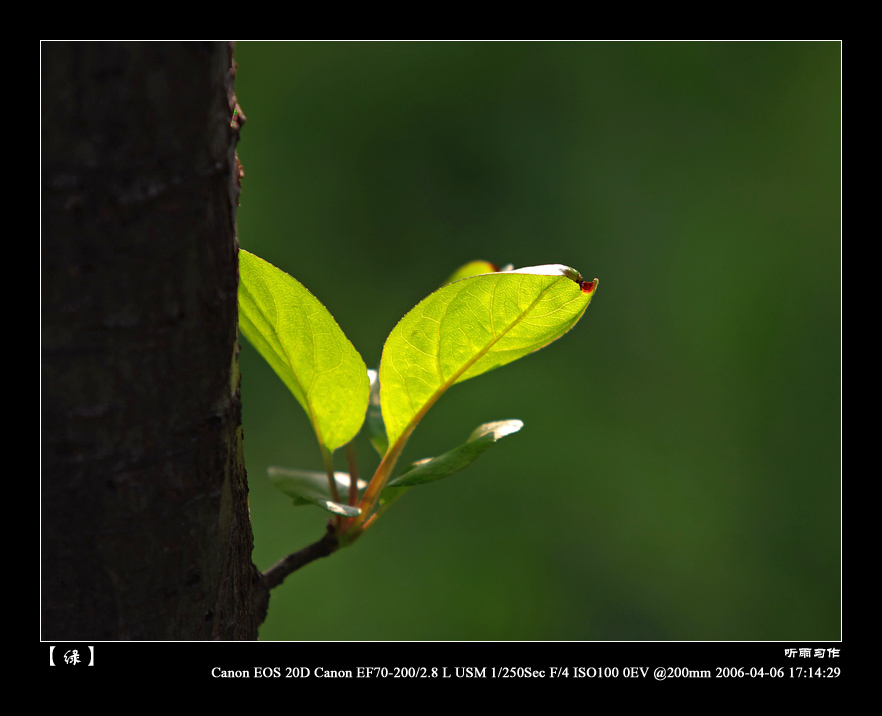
376	427
470	327
302	342
312	488
450	462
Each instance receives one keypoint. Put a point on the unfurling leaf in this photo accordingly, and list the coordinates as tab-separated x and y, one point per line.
436	468
455	460
312	488
376	427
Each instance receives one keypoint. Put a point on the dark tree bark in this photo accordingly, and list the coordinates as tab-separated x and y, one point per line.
145	525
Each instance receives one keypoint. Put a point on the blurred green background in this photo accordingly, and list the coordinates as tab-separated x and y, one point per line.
678	475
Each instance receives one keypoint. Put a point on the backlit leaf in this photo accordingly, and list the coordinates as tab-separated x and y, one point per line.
302	342
470	327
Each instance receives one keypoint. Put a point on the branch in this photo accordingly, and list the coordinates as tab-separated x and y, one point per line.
276	574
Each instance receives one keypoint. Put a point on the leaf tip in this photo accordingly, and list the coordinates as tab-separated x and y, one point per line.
557	270
498	429
589	287
507	427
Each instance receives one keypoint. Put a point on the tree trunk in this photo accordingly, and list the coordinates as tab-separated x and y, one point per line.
145	526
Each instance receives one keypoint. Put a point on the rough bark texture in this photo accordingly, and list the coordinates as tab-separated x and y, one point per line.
145	525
